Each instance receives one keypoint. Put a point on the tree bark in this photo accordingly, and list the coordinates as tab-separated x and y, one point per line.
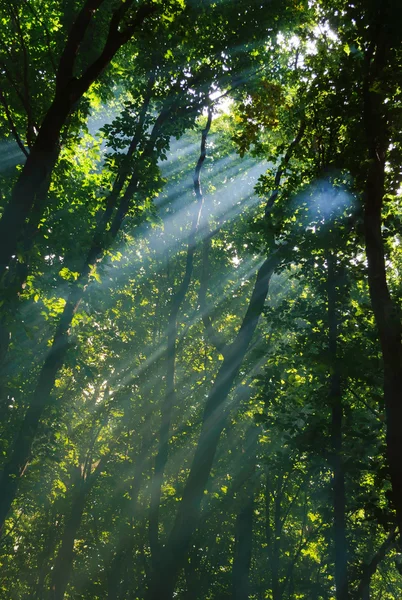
83	484
276	541
335	399
125	543
64	560
214	420
244	521
384	308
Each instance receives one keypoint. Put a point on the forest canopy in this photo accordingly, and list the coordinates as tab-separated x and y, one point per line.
200	299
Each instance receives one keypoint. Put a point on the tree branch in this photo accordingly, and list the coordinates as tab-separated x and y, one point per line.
370	568
115	40
11	123
74	39
283	164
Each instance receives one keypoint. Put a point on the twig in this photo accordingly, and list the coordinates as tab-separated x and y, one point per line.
11	123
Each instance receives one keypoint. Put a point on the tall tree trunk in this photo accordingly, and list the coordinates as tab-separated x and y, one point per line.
20	455
38	591
385	311
83	483
244	521
64	559
125	541
267	553
170	395
214	419
335	399
276	541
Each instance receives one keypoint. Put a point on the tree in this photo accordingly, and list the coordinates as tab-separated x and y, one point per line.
193	399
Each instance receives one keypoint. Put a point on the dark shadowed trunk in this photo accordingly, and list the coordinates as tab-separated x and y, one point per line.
20	455
275	549
64	559
244	520
335	398
44	563
267	509
369	569
214	420
84	480
385	311
129	519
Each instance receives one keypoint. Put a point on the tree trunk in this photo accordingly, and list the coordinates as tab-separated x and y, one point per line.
83	483
64	561
214	419
244	521
276	541
369	569
243	548
19	458
125	543
384	309
69	90
335	398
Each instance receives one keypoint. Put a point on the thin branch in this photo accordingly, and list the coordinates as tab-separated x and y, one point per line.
13	84
360	399
283	164
11	124
296	556
293	500
370	568
170	393
25	79
212	334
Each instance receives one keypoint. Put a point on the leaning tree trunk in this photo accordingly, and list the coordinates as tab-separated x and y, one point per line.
14	468
385	310
214	419
363	592
125	542
83	484
338	481
64	560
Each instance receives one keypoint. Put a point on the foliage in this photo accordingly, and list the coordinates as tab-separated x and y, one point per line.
127	277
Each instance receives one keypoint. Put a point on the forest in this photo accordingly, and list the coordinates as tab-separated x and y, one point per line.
200	299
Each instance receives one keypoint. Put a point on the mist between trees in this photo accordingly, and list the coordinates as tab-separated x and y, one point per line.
200	300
